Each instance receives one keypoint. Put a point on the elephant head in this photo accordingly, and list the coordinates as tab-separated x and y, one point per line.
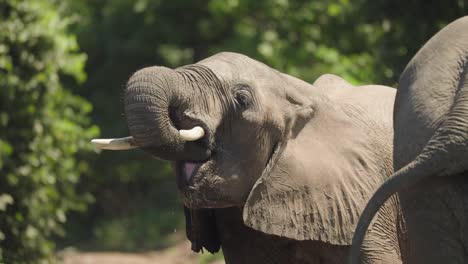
430	119
296	157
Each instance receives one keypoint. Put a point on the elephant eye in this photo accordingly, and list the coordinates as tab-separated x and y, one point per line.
243	98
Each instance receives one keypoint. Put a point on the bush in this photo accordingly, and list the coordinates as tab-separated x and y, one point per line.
43	127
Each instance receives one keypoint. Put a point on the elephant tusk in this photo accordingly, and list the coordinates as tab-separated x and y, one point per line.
192	134
114	143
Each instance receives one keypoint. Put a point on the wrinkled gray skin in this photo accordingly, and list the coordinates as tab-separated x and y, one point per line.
431	154
285	167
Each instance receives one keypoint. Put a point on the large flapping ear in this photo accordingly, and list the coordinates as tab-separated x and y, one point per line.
200	225
327	169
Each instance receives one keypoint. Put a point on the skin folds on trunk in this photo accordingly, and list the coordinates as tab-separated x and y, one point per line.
151	94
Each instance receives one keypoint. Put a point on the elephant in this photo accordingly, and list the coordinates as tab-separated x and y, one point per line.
430	154
270	168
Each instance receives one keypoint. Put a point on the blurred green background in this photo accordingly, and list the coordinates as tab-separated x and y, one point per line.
63	67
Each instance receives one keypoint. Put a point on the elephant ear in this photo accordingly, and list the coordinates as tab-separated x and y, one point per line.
326	172
200	225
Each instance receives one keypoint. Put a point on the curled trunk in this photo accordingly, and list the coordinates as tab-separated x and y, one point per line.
151	97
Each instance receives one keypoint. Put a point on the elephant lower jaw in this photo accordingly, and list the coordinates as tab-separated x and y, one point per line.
197	187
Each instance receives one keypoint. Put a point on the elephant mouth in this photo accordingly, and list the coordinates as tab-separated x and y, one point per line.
186	171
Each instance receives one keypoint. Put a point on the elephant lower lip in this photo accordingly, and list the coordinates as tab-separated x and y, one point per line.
187	169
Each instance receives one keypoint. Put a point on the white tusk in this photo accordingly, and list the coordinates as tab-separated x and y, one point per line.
192	134
114	143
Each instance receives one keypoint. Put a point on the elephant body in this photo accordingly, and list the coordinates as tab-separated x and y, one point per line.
242	244
270	168
436	221
430	154
435	210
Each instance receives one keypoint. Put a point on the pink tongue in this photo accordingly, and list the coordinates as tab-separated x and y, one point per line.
189	167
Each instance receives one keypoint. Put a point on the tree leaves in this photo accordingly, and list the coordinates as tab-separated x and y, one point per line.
42	129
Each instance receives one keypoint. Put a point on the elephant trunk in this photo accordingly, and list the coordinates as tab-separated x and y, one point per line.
152	97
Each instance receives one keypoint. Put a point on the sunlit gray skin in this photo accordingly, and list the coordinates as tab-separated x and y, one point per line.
285	166
431	153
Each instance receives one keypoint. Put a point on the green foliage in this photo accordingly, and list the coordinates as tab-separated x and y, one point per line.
207	258
397	29
302	38
148	229
43	127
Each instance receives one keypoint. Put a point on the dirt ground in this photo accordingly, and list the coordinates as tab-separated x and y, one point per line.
179	254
